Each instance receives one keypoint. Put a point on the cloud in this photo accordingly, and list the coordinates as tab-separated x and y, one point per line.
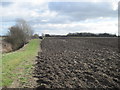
62	17
83	10
25	10
109	26
5	4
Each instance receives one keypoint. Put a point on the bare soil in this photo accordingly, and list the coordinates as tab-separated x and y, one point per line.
4	46
78	63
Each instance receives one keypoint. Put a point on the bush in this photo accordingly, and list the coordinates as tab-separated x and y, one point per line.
35	36
19	35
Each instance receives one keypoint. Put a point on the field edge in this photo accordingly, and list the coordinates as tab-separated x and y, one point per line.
19	63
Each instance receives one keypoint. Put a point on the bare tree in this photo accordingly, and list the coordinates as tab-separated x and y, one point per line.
25	27
19	34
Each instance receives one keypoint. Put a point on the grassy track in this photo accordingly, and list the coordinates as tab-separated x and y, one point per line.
11	61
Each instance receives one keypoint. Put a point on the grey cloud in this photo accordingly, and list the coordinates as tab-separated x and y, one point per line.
5	4
83	10
76	11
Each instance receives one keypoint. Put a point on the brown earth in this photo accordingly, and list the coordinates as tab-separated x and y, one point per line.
78	63
6	47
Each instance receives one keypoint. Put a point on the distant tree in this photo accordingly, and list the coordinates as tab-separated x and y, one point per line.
47	35
90	35
35	36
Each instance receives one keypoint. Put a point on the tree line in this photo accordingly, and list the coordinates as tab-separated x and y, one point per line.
83	35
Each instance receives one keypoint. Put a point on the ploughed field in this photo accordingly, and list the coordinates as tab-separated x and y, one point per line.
78	63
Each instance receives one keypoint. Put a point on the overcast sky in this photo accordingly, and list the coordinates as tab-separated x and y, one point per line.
59	17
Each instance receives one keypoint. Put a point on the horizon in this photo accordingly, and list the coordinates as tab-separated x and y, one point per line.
66	34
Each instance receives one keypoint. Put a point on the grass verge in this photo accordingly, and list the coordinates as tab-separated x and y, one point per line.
11	61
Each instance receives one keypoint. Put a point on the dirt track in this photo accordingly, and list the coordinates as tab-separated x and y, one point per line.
78	63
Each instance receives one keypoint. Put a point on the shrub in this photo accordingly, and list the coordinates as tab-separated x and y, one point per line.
19	34
35	36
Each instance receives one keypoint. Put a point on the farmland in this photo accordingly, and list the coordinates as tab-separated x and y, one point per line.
78	63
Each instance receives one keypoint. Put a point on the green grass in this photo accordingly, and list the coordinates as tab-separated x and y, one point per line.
11	61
